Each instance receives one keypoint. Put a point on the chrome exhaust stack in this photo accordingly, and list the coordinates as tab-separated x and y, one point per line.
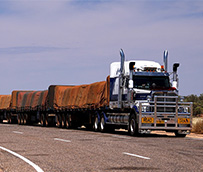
166	60
121	76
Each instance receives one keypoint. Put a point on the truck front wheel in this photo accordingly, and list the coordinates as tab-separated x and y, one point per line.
133	126
179	135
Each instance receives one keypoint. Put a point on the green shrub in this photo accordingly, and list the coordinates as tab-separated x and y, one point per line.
197	103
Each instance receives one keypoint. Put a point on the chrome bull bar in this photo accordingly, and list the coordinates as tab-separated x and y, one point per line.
165	113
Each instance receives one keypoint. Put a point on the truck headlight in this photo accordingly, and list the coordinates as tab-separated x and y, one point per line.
144	109
183	109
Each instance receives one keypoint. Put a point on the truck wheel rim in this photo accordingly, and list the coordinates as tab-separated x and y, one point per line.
96	123
42	119
102	124
132	125
67	121
19	120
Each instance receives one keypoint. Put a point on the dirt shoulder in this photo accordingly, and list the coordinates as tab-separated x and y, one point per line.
191	135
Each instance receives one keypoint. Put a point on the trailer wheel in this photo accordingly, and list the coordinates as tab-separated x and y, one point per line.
133	126
19	118
67	121
46	120
8	118
63	120
102	124
22	118
42	120
25	119
96	123
58	120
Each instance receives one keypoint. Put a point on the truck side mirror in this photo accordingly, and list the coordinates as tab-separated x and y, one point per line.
175	67
131	65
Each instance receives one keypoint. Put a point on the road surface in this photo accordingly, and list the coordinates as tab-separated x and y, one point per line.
61	150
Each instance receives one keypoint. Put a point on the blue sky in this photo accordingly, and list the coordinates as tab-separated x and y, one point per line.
74	42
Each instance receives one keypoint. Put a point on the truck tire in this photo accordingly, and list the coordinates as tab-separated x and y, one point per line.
42	120
102	124
46	120
179	135
63	121
8	118
58	120
133	126
96	123
19	118
67	121
25	119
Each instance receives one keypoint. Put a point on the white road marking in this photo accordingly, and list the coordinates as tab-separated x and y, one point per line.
36	167
135	155
63	130
17	132
62	140
121	137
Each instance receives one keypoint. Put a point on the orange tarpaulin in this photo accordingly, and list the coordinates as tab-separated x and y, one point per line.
16	99
4	101
28	100
94	95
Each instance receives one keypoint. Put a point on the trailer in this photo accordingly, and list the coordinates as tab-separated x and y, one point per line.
27	107
4	105
74	106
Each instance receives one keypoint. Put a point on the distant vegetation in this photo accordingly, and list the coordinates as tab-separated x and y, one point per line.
197	103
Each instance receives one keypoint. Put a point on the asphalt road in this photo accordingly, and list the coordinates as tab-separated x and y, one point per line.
62	150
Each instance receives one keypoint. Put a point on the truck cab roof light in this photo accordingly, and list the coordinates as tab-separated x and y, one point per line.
162	68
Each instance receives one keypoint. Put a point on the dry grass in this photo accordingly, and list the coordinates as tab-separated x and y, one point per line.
197	126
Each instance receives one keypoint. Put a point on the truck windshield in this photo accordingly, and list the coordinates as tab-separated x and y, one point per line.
151	82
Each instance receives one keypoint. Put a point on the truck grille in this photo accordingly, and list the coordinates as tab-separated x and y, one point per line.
165	101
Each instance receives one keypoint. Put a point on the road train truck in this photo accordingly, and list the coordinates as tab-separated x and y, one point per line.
138	96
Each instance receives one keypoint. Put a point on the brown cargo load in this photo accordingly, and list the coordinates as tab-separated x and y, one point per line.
28	100
39	99
16	99
90	96
5	101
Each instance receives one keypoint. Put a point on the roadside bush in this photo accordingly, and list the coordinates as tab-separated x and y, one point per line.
198	127
197	103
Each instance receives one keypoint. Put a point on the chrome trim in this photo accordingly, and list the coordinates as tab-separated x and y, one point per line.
170	118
